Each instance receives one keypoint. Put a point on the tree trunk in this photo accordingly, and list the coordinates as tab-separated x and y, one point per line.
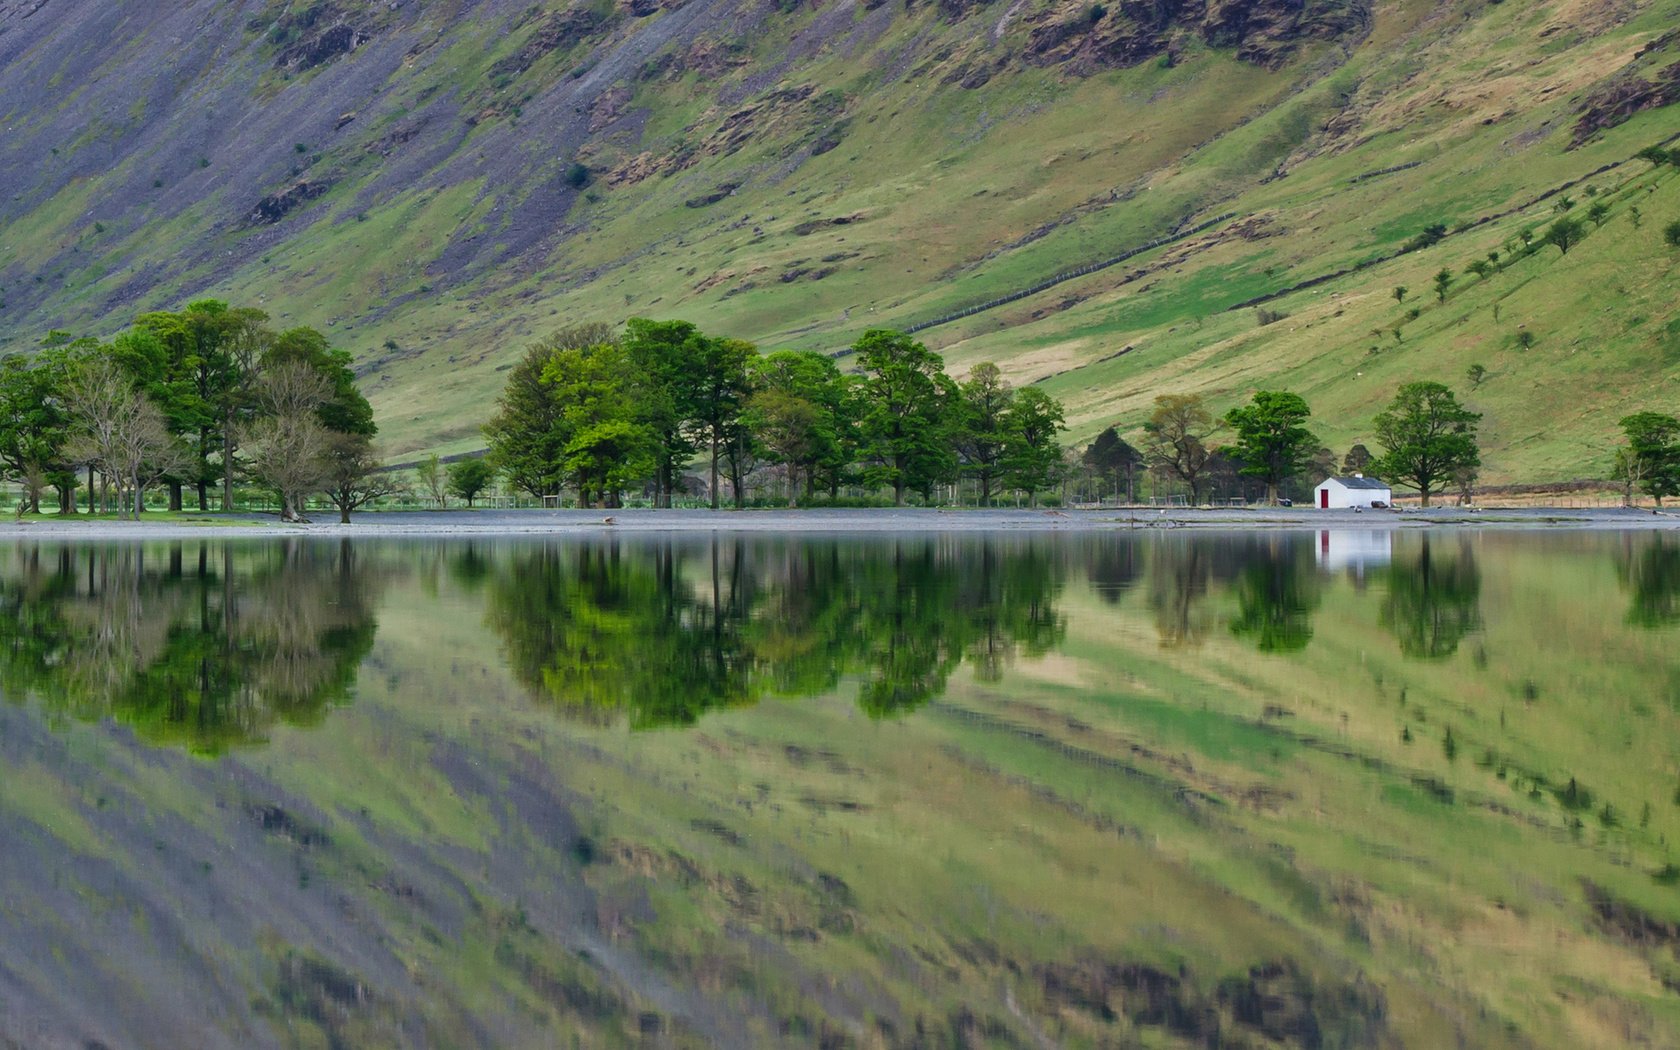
1424	491
175	495
344	513
227	460
66	499
203	495
898	492
793	487
714	468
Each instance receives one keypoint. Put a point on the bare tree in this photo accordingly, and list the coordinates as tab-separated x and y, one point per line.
288	444
120	432
353	477
429	473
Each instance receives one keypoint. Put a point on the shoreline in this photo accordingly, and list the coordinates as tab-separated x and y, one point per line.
529	523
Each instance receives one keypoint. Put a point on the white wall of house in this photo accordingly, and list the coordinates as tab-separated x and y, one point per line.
1333	494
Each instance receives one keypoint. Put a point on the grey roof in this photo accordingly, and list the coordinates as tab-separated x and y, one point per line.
1359	483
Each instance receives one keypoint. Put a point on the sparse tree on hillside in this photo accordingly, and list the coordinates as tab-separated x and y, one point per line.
469	477
1273	444
1671	234
1400	291
1475	373
1443	281
1599	212
1565	234
1176	445
1427	437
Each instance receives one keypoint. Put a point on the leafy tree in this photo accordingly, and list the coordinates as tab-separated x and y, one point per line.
718	388
904	421
119	430
1273	443
1651	572
1176	443
1111	457
1400	291
1671	234
469	477
342	409
797	413
1033	457
1598	213
1357	461
1652	455
35	427
983	431
288	443
354	476
526	434
609	443
1656	156
1565	234
1426	436
1443	281
666	359
433	480
1475	373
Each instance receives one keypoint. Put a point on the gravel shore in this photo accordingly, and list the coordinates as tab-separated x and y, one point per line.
578	522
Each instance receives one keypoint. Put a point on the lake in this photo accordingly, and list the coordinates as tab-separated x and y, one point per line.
1137	788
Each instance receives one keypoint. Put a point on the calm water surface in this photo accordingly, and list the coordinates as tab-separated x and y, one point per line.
1335	789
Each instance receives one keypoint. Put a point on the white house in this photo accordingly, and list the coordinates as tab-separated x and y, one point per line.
1357	491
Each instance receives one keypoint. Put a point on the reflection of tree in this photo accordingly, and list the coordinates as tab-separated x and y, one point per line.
1433	601
1650	569
666	631
207	656
1277	592
1180	567
1116	562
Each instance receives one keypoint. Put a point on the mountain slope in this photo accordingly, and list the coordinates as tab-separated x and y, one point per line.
437	183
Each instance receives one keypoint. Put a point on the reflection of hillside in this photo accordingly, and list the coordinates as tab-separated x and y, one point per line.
666	631
205	646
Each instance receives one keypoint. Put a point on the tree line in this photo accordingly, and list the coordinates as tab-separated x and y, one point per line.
188	400
1428	442
595	411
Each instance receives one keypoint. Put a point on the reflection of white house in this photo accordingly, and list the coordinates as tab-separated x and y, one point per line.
1357	491
1354	550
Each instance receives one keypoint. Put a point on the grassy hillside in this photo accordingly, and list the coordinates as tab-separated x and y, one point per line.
435	187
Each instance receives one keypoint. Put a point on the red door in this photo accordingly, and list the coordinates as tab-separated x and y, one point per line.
1323	499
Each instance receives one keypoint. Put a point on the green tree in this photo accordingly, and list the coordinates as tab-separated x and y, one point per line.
904	421
1443	282
1176	442
1427	436
1565	234
1400	291
1114	459
983	428
1357	461
1671	234
1432	601
434	483
1277	593
1273	443
1032	457
608	442
469	477
665	359
797	414
1598	213
35	428
718	388
526	435
354	477
1652	454
1475	373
